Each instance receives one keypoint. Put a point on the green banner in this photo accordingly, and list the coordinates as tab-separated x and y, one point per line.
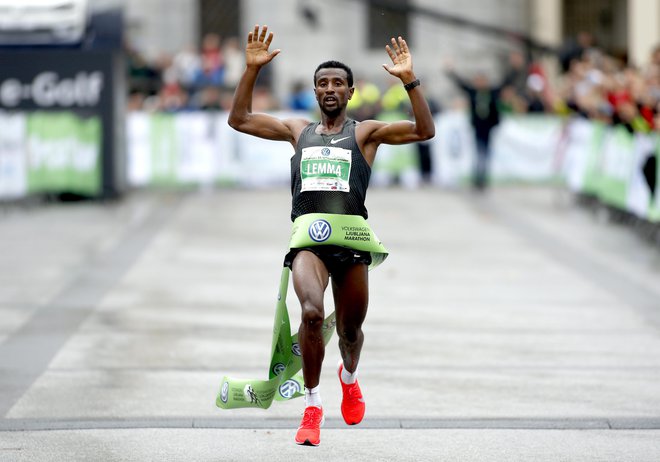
64	152
592	174
164	149
654	209
618	163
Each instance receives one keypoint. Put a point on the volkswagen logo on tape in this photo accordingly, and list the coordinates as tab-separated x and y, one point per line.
278	368
295	349
320	230
224	394
289	388
325	152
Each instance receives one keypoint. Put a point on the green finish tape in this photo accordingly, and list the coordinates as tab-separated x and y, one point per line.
284	378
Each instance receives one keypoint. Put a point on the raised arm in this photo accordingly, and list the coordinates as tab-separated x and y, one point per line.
241	117
404	131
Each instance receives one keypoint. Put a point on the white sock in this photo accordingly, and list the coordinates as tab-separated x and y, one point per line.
313	396
348	377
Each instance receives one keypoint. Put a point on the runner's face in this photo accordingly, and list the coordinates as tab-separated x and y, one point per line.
332	90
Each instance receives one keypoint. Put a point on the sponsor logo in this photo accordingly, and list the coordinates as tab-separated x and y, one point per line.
334	141
251	395
224	393
49	89
278	368
289	388
295	349
325	152
320	230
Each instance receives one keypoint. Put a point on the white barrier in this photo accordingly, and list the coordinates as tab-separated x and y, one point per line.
199	148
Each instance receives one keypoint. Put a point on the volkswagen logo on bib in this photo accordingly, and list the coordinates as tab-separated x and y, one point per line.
320	230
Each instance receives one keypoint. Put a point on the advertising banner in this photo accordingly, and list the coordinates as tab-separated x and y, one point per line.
13	178
202	149
618	161
526	147
49	152
63	153
452	149
88	86
576	144
654	210
639	192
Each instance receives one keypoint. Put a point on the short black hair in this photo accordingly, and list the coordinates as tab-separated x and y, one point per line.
335	65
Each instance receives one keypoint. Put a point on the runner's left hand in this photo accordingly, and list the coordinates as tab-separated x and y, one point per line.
401	59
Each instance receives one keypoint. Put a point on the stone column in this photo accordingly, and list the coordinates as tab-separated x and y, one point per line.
643	30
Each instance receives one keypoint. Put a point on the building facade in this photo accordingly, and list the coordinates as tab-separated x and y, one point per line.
476	35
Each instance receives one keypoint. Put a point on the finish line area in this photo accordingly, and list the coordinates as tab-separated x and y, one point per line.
514	322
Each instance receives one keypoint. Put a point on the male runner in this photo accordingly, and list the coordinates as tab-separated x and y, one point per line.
330	172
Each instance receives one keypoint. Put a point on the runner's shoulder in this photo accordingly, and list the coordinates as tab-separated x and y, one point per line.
365	128
296	125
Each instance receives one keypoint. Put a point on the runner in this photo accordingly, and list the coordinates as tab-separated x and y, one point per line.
330	173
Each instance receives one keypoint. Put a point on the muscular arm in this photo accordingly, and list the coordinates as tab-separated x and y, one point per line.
373	133
241	117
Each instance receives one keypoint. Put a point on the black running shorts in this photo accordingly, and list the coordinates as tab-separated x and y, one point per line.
333	256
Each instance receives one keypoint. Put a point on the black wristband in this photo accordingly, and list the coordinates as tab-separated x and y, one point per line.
411	85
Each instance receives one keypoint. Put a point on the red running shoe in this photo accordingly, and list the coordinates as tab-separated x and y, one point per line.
309	432
352	403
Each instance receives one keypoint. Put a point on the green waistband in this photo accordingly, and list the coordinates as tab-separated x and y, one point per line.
351	231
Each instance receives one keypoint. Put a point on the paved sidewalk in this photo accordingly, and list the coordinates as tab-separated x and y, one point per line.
515	326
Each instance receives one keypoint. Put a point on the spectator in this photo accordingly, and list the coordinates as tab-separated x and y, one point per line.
482	98
212	51
208	75
574	49
534	99
234	62
135	101
395	98
302	97
510	102
263	100
187	63
424	147
366	101
209	99
142	76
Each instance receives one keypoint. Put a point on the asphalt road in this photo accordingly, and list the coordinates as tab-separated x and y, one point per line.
515	326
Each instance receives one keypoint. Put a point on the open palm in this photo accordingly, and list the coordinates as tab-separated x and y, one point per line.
400	56
256	51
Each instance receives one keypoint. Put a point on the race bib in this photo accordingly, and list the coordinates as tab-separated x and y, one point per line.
325	168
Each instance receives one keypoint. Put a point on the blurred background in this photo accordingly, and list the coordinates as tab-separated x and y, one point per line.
140	236
100	97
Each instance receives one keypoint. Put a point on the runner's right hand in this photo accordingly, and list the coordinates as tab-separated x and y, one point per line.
256	51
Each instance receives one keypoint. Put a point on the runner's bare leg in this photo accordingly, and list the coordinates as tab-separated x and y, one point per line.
351	293
310	279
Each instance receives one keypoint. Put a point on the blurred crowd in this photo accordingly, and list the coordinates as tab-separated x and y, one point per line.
601	87
201	78
592	84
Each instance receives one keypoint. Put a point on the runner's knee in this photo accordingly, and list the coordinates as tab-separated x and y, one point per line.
312	313
349	334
